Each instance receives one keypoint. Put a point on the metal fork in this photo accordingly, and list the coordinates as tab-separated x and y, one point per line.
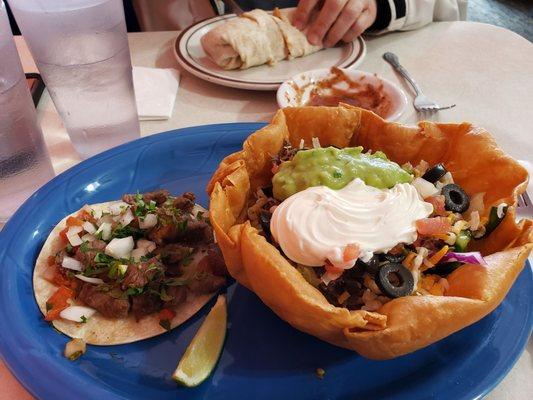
421	103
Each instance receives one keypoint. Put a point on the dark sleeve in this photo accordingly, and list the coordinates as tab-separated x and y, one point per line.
388	11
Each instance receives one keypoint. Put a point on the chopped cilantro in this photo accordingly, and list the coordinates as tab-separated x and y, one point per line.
164	295
84	248
187	260
165	324
49	306
69	248
200	216
125	231
176	282
83	319
134	291
182	225
337	174
102	258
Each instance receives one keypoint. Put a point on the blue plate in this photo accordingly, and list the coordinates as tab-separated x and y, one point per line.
264	358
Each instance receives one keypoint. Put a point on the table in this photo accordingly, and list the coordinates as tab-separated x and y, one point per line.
484	69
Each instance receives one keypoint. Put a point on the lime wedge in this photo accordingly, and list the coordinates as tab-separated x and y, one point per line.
204	350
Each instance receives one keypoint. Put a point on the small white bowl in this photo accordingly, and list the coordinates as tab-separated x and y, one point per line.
295	91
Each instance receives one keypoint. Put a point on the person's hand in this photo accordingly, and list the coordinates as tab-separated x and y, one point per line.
337	20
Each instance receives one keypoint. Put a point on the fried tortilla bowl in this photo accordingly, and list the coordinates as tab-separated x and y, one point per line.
404	324
99	330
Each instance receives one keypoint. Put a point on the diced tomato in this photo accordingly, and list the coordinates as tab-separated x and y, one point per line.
73	221
351	252
438	204
433	226
85	216
58	302
167	314
61	280
63	235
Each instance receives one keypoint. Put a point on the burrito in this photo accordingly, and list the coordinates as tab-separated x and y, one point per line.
370	235
256	38
122	271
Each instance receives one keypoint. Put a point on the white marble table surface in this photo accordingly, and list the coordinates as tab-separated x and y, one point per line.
485	70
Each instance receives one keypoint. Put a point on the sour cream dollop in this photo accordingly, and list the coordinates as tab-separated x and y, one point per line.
317	224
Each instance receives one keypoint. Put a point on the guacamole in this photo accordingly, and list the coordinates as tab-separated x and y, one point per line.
335	168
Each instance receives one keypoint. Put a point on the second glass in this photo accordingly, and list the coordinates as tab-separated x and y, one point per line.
81	50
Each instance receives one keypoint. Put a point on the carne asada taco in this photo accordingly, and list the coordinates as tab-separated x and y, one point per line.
371	235
127	270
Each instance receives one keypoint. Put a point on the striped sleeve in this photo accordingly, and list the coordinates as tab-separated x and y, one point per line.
393	15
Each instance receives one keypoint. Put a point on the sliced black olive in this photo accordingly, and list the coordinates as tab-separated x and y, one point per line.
267	190
264	219
494	220
394	280
371	266
444	269
435	173
455	198
393	258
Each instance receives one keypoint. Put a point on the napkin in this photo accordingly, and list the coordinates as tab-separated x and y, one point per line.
155	92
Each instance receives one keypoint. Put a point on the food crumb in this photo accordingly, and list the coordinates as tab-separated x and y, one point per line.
75	349
320	372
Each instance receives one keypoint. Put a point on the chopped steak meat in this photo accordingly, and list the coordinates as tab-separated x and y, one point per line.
178	293
145	304
185	202
164	234
139	275
102	302
198	231
173	253
159	196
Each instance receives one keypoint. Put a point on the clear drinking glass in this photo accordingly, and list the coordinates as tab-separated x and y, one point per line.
24	161
81	50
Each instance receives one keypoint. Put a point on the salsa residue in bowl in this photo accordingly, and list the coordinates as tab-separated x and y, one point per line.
339	87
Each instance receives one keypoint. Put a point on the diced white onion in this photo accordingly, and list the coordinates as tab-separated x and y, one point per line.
88	238
89	228
105	219
146	244
424	188
96	212
149	221
499	210
118	207
84	278
75	313
302	144
316	143
120	248
105	229
71	263
126	218
138	253
74	240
